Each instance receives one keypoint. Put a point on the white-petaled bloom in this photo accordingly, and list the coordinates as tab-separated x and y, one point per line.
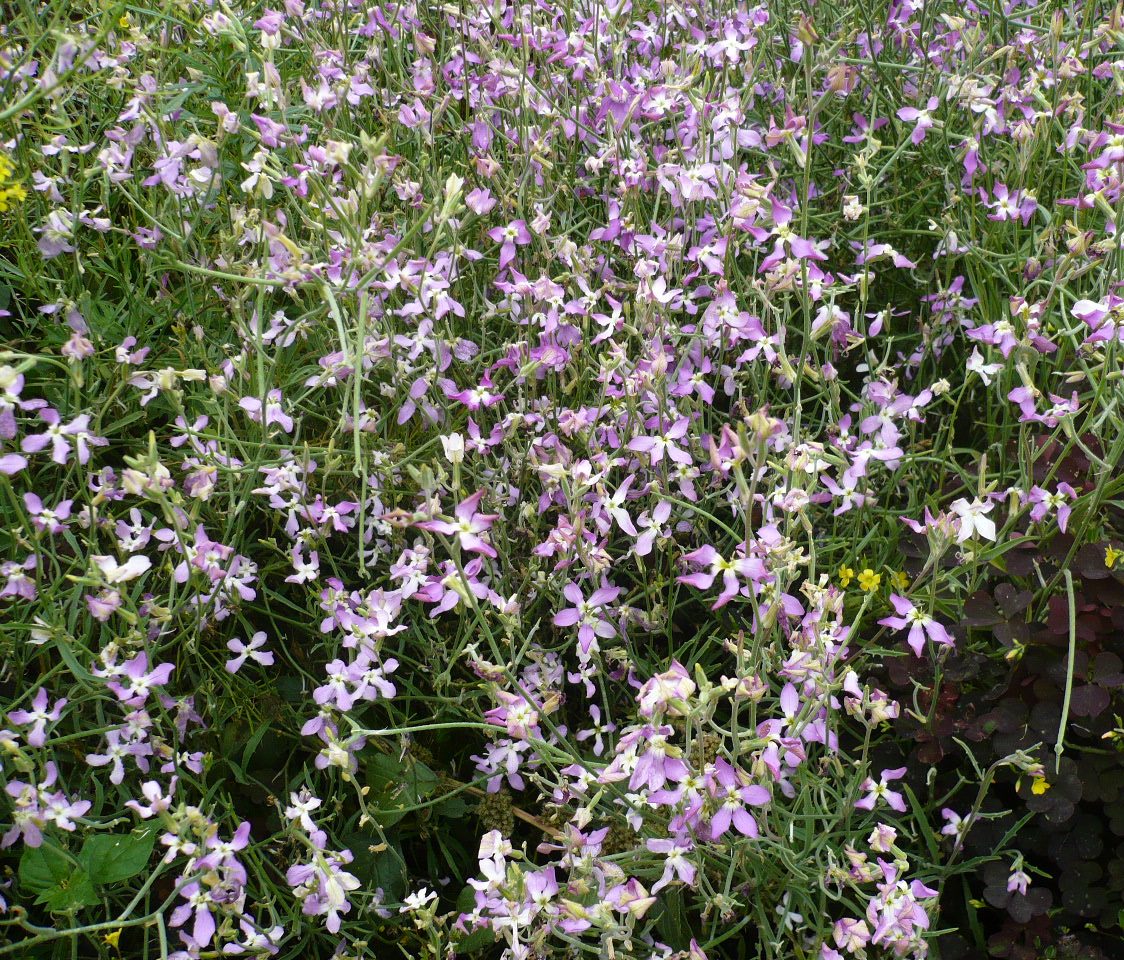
985	370
973	519
453	445
115	572
418	900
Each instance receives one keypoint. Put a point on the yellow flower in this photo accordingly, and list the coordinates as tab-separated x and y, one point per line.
846	575
1111	555
9	195
869	580
899	580
1040	786
114	939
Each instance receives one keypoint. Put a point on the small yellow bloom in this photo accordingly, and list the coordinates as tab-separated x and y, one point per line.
899	580
1111	555
1040	786
869	580
846	575
114	939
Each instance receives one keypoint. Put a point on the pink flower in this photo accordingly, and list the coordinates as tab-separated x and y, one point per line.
468	524
881	791
676	866
587	614
922	120
248	651
751	569
274	412
920	625
513	235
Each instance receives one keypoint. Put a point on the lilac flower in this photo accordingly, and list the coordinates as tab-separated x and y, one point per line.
198	906
665	442
114	573
274	411
919	624
1019	880
751	569
468	524
117	748
133	682
248	651
12	463
322	886
519	717
921	119
676	866
587	614
733	793
513	235
44	519
63	438
1043	503
35	805
38	716
667	693
16	581
881	791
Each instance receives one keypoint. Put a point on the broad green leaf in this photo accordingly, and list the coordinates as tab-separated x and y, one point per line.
113	857
70	894
43	867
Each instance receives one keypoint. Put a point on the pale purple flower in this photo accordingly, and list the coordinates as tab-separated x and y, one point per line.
467	524
248	651
274	411
588	614
880	790
676	866
921	119
919	624
38	716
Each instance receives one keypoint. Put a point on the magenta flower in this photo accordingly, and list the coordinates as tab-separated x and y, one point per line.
919	624
467	524
881	791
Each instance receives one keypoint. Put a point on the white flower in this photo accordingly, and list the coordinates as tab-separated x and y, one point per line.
417	901
115	572
985	370
453	445
973	520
